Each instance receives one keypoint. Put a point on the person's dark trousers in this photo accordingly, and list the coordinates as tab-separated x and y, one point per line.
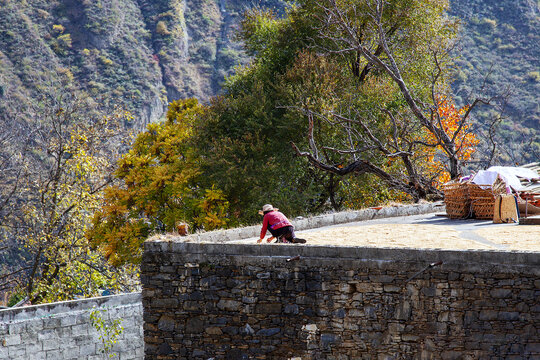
287	232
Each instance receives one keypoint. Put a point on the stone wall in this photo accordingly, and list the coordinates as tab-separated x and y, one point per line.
63	330
234	301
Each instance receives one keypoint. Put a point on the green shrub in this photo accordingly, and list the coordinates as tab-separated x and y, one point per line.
161	28
65	40
506	47
489	23
533	76
509	27
106	61
59	29
207	52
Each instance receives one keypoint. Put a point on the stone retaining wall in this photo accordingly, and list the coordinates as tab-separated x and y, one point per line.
233	301
63	330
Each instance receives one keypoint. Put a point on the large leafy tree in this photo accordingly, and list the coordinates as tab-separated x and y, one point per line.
243	138
384	105
158	187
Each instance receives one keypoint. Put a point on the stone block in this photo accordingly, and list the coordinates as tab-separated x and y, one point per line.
11	340
36	356
53	355
501	293
164	303
451	355
370	312
392	288
364	287
16	328
274	308
51	322
268	332
429	291
82	319
403	311
488	315
81	329
410	337
229	305
68	320
384	279
395	328
345	217
166	323
70	352
194	325
16	352
329	339
213	330
3	350
291	309
88	349
339	313
533	349
50	344
192	305
509	316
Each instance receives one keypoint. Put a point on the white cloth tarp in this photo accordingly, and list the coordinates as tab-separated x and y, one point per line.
510	175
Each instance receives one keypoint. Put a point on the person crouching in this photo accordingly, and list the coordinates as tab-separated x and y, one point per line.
279	226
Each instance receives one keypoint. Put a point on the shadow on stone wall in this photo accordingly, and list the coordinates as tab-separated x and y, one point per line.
226	301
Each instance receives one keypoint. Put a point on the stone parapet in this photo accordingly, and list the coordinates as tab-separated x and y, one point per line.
220	236
63	330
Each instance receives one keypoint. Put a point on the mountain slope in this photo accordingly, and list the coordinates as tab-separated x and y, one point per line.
140	53
500	46
144	53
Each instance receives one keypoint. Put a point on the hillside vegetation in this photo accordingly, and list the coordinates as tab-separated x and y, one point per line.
145	53
499	48
138	53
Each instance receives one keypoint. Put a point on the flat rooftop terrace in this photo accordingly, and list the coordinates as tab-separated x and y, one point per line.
425	231
418	226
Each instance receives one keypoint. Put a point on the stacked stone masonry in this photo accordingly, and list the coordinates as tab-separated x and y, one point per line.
64	331
233	301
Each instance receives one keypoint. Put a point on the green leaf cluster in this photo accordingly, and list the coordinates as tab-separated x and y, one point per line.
158	188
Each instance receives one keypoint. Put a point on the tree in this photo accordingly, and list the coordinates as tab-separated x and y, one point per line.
66	164
14	141
399	62
158	187
243	136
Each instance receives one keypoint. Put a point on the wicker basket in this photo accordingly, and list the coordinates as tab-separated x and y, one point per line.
482	201
483	198
457	201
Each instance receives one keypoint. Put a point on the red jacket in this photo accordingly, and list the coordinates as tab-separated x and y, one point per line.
274	220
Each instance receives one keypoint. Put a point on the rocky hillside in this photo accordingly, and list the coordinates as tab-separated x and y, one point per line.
500	48
145	53
142	53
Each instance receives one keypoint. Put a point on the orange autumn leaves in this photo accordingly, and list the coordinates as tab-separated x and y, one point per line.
454	122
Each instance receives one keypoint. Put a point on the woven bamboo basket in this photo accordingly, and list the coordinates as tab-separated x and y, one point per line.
482	201
483	198
456	200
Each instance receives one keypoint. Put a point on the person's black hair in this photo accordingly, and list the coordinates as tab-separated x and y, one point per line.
267	211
